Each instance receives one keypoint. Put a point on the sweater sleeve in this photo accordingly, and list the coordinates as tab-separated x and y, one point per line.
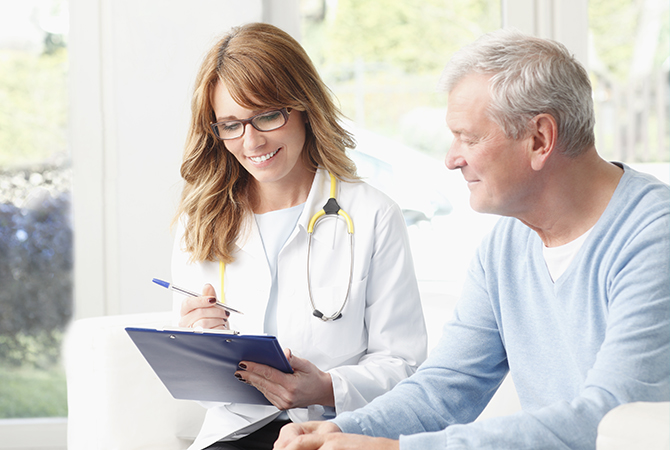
435	408
630	365
453	386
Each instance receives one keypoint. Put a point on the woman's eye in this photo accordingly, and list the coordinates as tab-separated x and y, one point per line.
230	126
269	117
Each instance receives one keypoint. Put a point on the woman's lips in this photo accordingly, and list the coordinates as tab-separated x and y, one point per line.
263	158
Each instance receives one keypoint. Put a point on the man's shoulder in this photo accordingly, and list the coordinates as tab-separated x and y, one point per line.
639	197
642	186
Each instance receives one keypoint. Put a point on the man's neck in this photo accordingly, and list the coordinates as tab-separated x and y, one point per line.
574	194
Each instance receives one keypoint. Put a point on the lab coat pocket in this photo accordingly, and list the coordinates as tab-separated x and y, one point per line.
344	338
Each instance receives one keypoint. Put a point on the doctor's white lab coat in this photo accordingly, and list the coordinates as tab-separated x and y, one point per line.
381	337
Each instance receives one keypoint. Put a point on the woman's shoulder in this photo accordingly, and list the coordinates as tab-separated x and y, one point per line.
360	192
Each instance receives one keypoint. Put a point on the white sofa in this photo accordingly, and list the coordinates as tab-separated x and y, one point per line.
115	400
641	425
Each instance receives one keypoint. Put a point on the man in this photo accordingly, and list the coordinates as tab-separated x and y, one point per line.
569	293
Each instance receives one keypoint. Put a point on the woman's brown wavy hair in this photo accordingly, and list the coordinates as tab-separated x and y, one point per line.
262	67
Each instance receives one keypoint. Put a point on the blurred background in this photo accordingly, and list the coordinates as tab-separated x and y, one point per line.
94	105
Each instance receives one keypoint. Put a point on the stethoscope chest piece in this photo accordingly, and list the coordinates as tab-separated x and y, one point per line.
331	208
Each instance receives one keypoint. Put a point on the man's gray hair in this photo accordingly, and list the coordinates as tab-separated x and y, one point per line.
529	76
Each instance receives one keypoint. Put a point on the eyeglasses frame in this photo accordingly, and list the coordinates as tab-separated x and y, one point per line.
285	111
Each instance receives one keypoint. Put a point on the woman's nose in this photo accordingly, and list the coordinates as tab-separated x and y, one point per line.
252	137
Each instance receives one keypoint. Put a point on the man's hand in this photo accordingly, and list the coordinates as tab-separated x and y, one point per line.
327	436
307	385
289	433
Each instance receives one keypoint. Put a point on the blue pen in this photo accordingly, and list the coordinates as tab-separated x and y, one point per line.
168	285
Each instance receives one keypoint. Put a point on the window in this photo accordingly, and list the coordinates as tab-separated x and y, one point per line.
629	69
383	64
35	227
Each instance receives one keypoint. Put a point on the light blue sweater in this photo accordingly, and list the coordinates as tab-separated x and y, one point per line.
597	338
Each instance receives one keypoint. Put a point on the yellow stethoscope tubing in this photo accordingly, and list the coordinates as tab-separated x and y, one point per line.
222	273
333	208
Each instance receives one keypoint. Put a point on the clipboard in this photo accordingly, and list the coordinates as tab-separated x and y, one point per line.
200	365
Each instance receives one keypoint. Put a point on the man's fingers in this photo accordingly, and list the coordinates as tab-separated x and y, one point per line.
303	435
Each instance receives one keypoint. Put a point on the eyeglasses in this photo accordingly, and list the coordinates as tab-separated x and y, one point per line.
267	121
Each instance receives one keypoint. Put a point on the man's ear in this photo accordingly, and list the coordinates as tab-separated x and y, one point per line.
543	135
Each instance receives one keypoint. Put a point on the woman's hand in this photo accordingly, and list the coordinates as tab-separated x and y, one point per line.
307	385
327	435
203	312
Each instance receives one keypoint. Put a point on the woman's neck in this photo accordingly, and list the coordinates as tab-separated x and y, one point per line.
282	194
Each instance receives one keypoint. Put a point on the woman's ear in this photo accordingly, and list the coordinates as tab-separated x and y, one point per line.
543	134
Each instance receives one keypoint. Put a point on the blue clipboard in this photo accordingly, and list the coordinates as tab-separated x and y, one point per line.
200	365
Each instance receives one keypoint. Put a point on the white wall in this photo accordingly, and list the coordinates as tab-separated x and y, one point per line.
132	67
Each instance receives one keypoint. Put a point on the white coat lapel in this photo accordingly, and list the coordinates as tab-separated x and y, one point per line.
248	280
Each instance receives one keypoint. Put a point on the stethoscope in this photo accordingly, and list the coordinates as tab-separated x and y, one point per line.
332	209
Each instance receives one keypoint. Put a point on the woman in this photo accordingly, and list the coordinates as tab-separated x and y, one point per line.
264	151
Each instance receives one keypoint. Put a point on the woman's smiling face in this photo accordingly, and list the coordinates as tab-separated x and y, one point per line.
269	156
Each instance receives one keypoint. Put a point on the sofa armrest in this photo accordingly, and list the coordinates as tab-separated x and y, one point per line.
115	400
644	425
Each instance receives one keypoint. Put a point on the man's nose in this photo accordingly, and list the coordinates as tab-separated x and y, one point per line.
454	158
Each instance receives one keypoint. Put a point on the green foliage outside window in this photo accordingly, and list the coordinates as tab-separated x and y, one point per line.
415	37
33	107
35	230
383	61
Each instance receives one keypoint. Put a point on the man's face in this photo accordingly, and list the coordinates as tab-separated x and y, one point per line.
496	168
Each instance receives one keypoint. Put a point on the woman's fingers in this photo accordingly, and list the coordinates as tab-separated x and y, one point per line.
307	385
203	312
211	324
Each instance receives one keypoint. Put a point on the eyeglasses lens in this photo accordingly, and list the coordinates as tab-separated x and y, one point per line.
268	121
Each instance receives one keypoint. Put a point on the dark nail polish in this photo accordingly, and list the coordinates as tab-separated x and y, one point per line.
212	300
243	366
239	377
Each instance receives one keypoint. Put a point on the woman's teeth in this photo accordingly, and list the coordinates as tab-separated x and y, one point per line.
259	159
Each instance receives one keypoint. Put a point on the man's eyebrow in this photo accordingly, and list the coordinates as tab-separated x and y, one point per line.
460	131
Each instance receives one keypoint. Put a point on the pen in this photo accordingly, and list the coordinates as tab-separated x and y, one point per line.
168	285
